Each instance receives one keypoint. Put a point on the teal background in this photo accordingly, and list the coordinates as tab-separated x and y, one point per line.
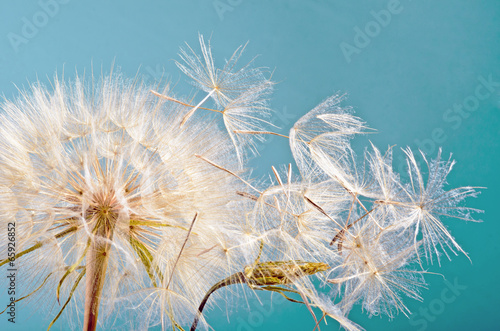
426	59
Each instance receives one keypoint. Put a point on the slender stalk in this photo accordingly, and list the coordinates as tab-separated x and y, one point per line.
237	278
266	276
97	262
166	97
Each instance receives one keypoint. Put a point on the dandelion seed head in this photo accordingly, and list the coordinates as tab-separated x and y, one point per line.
103	177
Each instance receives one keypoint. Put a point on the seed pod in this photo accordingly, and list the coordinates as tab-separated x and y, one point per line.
281	272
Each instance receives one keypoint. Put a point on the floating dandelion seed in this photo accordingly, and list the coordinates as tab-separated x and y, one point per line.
375	270
240	94
320	139
426	203
224	84
378	245
371	216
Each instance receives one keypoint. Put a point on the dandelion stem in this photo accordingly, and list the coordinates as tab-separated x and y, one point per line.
266	276
237	278
96	265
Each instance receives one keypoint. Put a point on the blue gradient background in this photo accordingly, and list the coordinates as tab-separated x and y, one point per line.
427	59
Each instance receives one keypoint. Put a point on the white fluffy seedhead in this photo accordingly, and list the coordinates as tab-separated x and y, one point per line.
101	174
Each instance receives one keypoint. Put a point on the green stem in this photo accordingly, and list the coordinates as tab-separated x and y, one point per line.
237	278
